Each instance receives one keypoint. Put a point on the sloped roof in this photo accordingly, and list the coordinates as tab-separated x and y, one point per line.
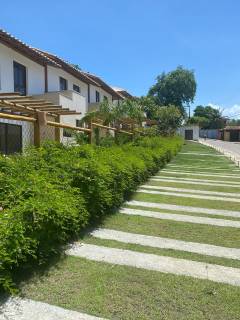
8	40
124	93
104	85
46	58
66	66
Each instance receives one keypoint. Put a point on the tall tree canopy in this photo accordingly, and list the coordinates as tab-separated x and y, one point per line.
169	119
208	117
177	88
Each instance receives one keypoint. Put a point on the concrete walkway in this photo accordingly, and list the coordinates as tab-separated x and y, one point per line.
216	175
166	243
201	154
24	309
193	191
174	207
179	180
181	218
225	183
188	195
154	262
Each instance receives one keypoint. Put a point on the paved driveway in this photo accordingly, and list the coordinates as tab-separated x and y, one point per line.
233	148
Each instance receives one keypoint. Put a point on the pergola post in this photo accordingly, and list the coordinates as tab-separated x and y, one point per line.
57	130
37	133
91	133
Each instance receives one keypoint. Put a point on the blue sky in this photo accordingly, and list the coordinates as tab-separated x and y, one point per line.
130	42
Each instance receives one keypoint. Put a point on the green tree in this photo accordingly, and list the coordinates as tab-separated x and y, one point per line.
213	117
169	119
149	106
113	114
201	121
177	88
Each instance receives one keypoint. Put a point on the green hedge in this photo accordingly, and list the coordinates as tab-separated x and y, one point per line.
49	195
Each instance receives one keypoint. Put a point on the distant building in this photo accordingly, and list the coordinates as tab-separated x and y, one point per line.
189	132
230	133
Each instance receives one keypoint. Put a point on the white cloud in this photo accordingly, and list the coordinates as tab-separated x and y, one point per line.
231	112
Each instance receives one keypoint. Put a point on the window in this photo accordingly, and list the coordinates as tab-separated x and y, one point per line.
20	78
76	88
97	96
67	133
10	138
78	123
63	84
105	98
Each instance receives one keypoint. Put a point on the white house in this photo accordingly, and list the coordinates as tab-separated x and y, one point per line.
34	72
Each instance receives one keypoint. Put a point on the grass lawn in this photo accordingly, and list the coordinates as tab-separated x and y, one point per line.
118	292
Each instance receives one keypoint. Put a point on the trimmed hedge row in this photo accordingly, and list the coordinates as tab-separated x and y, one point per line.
49	195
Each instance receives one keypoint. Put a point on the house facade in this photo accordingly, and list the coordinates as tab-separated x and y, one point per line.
33	72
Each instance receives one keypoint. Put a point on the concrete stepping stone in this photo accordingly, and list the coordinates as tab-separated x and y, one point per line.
181	218
202	154
217	193
24	309
154	262
188	195
179	180
166	243
174	207
225	183
216	175
188	168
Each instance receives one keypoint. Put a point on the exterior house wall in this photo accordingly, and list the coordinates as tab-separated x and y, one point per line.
36	87
102	92
35	72
195	130
53	81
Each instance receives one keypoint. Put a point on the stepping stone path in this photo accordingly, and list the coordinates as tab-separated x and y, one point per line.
109	243
196	182
227	194
181	218
157	242
157	263
233	176
172	207
185	195
25	309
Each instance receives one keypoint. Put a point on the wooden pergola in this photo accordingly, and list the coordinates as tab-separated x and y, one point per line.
27	108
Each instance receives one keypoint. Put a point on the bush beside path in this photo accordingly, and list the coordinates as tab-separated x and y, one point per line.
160	256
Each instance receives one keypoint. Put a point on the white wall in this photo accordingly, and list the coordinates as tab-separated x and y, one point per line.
67	99
53	81
35	72
195	129
102	92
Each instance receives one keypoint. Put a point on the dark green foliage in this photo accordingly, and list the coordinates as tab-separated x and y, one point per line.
208	117
177	88
49	195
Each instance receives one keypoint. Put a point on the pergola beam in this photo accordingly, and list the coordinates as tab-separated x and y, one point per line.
66	113
16	117
66	126
9	94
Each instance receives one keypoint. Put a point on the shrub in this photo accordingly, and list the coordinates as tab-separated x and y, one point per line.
50	194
